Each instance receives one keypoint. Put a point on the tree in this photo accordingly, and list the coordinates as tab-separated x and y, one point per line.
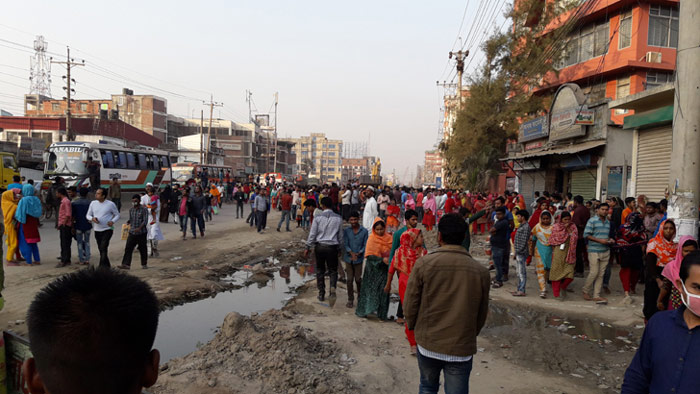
499	92
307	166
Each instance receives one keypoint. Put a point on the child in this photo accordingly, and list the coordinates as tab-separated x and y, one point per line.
522	237
392	217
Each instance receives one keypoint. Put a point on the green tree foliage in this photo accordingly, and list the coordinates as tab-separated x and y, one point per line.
499	92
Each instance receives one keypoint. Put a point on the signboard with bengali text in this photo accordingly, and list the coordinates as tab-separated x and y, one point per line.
533	129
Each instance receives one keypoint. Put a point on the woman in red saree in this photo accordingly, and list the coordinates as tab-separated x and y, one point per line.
409	251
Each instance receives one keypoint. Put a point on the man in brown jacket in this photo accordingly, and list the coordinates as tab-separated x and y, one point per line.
446	303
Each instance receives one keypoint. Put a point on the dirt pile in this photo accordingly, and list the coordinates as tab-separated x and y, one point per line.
260	354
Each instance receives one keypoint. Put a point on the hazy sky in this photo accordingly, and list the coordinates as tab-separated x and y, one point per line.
356	71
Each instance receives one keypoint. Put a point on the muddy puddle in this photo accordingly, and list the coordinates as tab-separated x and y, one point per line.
591	350
185	327
552	324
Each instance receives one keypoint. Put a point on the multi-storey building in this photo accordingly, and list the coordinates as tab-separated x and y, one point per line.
145	112
324	153
432	167
614	49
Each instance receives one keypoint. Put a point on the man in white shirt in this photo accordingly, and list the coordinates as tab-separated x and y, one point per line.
296	204
371	211
103	214
345	202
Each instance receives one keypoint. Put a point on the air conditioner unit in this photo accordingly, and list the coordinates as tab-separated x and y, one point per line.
653	57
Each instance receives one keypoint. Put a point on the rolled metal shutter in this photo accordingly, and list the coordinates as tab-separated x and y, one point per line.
654	149
527	186
531	182
583	183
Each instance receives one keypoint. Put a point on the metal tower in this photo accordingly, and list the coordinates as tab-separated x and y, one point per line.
40	74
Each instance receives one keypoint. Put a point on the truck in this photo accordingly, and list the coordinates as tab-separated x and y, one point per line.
8	169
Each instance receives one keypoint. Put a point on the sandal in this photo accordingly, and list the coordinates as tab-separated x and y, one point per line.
543	294
497	285
517	294
13	264
400	321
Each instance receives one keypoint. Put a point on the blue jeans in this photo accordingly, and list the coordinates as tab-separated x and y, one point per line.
456	375
500	261
522	272
83	240
183	224
285	217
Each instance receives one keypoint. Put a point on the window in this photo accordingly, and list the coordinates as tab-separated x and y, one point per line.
55	107
655	79
131	161
107	159
331	161
122	160
151	162
595	92
142	162
165	161
331	153
623	90
331	146
625	30
586	43
8	162
663	26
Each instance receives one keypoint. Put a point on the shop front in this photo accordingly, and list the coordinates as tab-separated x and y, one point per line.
651	128
570	149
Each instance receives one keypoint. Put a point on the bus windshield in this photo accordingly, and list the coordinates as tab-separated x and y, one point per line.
181	174
66	160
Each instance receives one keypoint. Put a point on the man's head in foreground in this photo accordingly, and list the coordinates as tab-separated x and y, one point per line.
92	331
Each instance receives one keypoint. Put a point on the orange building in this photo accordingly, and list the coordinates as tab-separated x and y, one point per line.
619	48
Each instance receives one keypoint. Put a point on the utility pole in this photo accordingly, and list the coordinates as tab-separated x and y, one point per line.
459	57
685	161
211	105
201	138
69	63
275	162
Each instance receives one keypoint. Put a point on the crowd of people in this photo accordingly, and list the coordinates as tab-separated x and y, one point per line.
367	236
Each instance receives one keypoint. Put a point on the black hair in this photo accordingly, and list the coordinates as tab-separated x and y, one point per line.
378	223
136	197
690	242
537	194
501	209
545	193
355	214
83	191
546	213
578	199
524	213
463	212
409	214
103	191
565	215
452	229
62	190
603	204
629	200
16	178
327	202
97	320
568	195
501	199
31	181
653	205
663	203
310	202
693	258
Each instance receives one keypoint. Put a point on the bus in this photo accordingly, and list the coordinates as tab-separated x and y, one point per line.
185	174
134	167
